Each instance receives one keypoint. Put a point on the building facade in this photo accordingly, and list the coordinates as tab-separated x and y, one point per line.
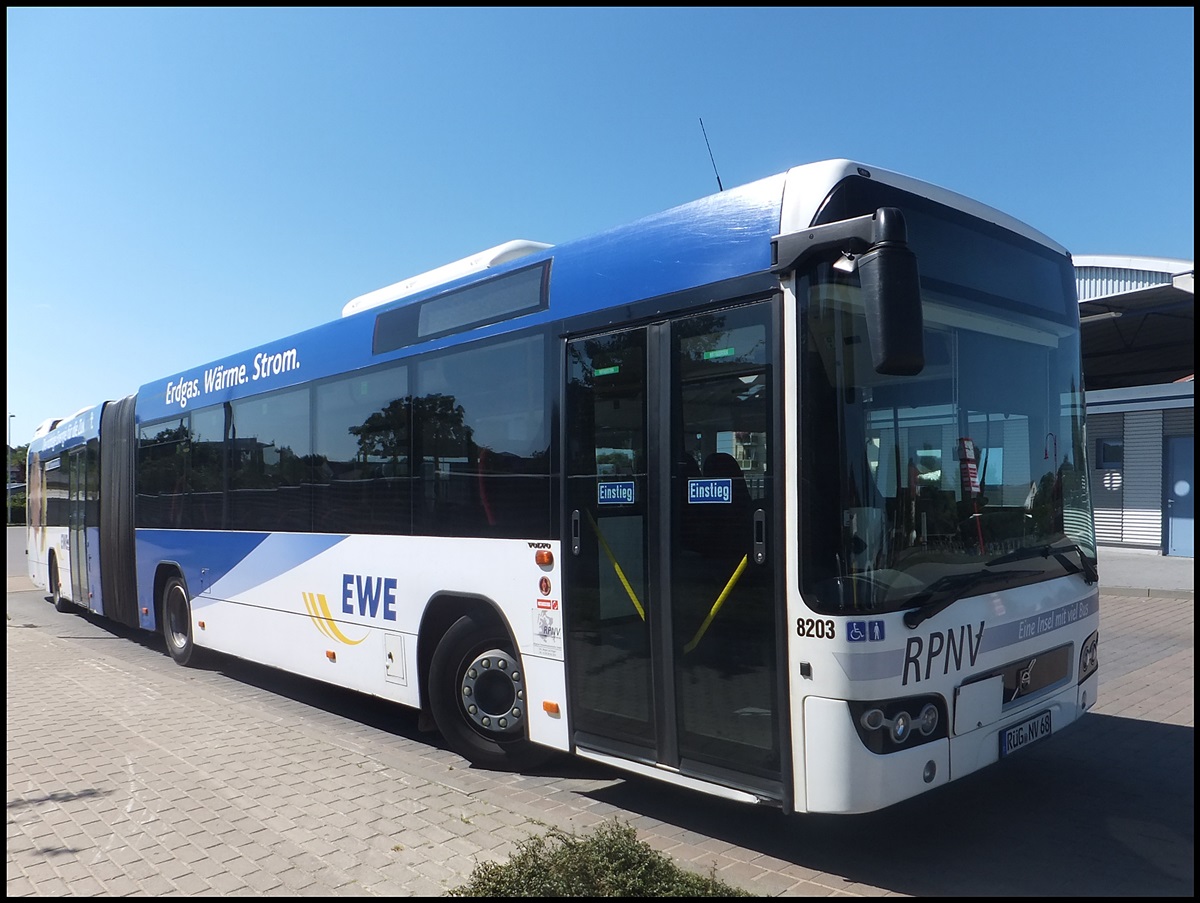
1139	373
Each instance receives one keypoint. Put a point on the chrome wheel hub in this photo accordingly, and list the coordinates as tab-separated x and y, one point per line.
493	692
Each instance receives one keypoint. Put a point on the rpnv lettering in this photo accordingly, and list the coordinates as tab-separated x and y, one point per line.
921	656
369	596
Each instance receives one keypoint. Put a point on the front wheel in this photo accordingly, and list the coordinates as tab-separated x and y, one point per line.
477	696
177	622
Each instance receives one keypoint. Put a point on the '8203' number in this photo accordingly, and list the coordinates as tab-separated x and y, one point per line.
815	628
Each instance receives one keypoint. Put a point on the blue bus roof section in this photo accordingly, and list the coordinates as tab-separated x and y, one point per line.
704	241
715	238
69	433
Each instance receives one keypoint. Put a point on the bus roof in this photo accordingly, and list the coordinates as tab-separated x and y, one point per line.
492	257
68	432
715	238
809	183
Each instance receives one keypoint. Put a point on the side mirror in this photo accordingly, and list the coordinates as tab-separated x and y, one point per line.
888	275
891	288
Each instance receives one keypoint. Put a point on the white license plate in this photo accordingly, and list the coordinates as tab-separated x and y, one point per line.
1021	735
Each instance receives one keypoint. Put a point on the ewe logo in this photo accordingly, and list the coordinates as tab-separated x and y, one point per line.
318	611
362	595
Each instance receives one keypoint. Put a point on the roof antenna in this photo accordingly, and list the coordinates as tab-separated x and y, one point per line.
720	187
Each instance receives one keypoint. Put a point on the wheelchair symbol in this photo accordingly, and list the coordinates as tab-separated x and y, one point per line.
864	631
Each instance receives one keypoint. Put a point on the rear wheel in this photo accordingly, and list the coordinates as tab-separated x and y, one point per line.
177	622
477	696
56	596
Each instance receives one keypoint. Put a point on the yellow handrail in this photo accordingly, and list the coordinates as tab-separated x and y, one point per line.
717	605
616	567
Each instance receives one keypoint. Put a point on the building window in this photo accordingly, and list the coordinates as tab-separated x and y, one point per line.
1110	454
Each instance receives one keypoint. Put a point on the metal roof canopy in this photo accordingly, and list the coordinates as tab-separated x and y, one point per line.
1141	337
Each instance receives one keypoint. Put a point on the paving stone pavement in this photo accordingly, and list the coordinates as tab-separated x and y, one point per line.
130	776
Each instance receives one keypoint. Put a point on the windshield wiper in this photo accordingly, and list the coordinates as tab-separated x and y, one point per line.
945	591
1086	566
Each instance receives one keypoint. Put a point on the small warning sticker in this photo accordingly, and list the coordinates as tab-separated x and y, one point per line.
547	630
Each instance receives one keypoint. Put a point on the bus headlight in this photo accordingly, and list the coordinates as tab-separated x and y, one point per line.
928	721
872	719
899	727
886	726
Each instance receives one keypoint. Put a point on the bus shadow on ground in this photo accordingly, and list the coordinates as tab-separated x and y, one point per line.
1106	809
379	714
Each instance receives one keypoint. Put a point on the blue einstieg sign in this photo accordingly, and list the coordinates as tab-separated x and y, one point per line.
614	493
710	492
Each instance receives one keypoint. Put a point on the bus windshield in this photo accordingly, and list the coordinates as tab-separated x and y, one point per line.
966	478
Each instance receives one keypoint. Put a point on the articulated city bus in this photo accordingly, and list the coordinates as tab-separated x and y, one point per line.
780	495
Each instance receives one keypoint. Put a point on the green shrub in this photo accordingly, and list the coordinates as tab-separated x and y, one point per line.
611	862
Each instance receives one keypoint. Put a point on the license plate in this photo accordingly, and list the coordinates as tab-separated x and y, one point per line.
1021	735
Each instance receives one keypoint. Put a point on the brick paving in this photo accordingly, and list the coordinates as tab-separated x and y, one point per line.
130	776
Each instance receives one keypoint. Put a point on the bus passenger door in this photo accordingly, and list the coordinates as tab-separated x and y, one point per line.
671	562
76	525
606	547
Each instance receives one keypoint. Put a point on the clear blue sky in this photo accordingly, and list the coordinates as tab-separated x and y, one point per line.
187	183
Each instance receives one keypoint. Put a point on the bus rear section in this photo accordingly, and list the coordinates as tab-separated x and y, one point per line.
62	553
79	538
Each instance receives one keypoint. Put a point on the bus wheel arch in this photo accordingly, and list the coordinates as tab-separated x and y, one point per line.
54	581
173	604
473	677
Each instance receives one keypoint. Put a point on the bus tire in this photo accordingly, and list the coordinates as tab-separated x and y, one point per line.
177	622
477	696
56	594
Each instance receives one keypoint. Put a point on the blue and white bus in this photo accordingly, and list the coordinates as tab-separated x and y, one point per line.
780	495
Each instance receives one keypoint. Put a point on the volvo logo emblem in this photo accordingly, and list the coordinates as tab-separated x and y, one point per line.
1024	678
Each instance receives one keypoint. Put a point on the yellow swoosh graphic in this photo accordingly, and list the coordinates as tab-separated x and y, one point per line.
310	602
318	611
